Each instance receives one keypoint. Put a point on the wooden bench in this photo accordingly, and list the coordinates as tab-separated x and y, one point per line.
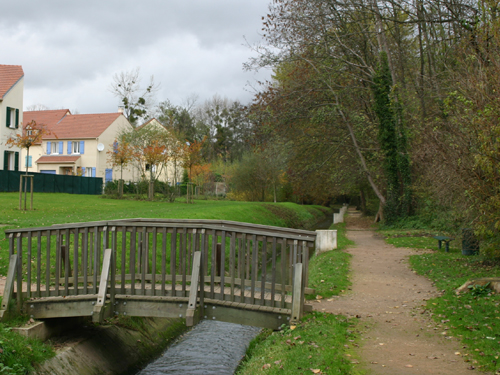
446	241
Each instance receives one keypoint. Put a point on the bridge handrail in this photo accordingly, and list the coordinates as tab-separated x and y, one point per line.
240	263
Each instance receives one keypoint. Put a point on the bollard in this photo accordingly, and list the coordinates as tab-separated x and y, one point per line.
326	240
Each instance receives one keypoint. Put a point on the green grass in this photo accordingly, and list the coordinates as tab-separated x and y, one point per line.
328	272
66	208
472	318
18	353
319	342
322	341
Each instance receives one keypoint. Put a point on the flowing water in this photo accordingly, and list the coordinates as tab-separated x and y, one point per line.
211	347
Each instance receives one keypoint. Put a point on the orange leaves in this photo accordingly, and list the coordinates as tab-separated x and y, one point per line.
32	133
155	153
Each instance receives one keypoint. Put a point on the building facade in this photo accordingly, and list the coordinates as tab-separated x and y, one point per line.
11	113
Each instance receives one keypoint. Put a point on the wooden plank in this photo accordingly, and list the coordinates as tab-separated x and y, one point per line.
133	237
175	308
263	271
96	260
203	270
19	272
254	267
38	263
258	318
183	245
9	285
144	255
112	282
76	239
153	259
273	270
173	260
124	259
214	263
60	307
191	318
242	268
163	259
28	264
283	260
67	268
98	311
305	262
297	297
232	267
85	259
58	259
222	263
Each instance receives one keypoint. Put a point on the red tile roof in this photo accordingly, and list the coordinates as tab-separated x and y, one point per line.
57	159
47	118
72	126
9	75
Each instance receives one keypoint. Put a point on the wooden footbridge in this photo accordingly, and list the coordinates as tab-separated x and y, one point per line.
193	269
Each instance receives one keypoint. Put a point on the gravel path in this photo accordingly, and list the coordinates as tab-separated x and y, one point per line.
398	335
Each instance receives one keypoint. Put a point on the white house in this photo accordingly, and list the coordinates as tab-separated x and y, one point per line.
11	113
78	144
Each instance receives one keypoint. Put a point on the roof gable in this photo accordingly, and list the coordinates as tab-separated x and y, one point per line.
84	126
9	76
64	125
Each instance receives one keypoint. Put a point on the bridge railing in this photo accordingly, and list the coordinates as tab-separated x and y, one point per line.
239	262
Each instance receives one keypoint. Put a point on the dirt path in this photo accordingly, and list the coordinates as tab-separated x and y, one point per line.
398	337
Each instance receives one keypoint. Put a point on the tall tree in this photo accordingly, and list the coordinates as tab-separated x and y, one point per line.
137	101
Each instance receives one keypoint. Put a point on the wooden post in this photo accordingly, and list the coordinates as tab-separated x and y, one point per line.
98	313
191	317
297	294
9	286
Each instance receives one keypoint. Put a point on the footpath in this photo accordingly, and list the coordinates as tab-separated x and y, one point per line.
398	334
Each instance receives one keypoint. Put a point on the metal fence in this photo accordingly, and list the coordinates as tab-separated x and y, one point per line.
52	183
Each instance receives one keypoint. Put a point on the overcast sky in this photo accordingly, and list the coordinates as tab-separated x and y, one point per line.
70	50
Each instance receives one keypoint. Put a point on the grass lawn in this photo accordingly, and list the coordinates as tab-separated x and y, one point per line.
67	208
321	343
17	353
473	316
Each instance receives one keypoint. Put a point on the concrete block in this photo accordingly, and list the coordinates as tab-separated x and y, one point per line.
46	329
326	240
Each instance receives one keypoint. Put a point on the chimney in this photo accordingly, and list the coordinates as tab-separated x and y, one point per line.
121	109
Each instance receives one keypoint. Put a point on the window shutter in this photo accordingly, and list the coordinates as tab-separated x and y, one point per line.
30	161
115	147
16	161
83	171
70	149
61	147
48	148
93	171
6	160
17	118
7	122
81	147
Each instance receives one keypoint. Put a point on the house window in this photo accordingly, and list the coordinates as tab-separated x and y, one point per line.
76	148
12	118
54	148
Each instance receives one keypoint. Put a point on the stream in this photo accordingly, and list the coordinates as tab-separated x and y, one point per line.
211	347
